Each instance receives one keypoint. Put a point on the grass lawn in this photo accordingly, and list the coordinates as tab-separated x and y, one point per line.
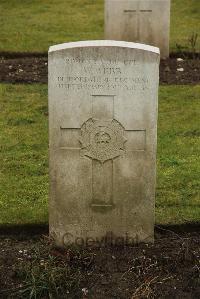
34	25
24	154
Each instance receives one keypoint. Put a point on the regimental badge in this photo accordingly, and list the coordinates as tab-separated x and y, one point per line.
102	140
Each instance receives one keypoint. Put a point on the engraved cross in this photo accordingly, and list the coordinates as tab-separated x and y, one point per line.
101	138
137	16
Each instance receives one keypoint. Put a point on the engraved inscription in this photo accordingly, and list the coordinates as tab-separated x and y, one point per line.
145	10
102	140
98	75
134	10
103	82
85	61
130	10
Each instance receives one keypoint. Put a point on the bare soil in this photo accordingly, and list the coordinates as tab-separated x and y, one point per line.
169	268
32	67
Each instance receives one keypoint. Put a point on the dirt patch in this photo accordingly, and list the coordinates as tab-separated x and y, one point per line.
32	67
175	71
168	269
23	70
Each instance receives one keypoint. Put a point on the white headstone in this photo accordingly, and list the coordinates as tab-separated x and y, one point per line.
102	130
144	21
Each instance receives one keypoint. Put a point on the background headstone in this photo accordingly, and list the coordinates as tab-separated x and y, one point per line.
102	130
144	21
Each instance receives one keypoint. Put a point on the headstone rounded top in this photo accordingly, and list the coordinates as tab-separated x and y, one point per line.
104	43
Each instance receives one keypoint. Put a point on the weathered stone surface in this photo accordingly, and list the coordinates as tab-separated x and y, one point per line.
102	130
144	21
